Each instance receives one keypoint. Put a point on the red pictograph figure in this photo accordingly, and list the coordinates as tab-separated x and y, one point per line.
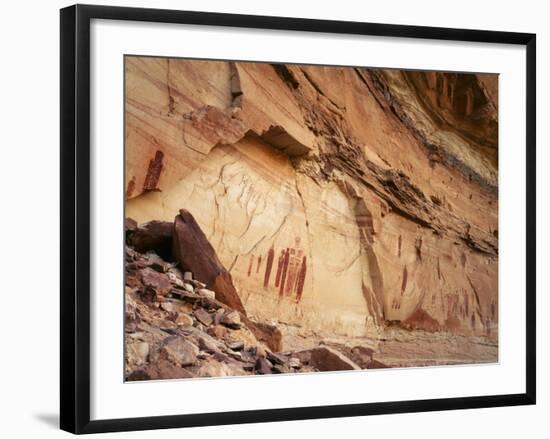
291	274
279	268
250	265
301	280
404	281
291	270
259	264
269	266
283	273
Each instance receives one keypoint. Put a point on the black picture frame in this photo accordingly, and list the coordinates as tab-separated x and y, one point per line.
75	217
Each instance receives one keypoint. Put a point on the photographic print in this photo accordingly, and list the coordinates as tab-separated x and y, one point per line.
287	218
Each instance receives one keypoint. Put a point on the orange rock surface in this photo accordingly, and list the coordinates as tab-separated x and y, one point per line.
339	199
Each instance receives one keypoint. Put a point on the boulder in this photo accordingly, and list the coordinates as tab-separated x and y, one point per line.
217	331
208	344
168	307
194	252
263	366
236	345
218	316
294	362
275	358
203	317
185	295
184	320
197	283
176	280
266	333
131	313
156	281
130	225
204	292
281	368
362	355
157	263
188	287
137	353
153	235
375	364
326	358
137	375
180	351
231	320
165	370
213	368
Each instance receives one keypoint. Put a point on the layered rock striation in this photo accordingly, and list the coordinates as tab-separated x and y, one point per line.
344	200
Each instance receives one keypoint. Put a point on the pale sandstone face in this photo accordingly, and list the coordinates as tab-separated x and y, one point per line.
338	198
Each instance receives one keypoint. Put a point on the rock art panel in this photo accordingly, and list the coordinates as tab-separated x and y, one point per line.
344	200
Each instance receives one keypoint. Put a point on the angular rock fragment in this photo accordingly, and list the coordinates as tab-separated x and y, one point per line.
180	351
131	312
375	364
153	235
294	362
130	224
231	320
204	317
175	280
213	368
362	355
164	370
326	358
266	333
263	366
184	320
185	295
217	331
149	295
204	292
236	345
188	287
137	353
280	368
208	344
155	280
158	264
138	375
197	284
195	253
217	315
275	358
168	306
235	355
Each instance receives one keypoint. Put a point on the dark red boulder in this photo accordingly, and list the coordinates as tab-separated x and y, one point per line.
194	252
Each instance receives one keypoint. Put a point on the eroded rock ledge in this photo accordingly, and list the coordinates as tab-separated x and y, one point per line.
342	199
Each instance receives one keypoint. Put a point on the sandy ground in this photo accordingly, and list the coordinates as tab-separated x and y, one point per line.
398	347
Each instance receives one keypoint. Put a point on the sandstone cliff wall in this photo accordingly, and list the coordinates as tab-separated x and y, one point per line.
339	199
